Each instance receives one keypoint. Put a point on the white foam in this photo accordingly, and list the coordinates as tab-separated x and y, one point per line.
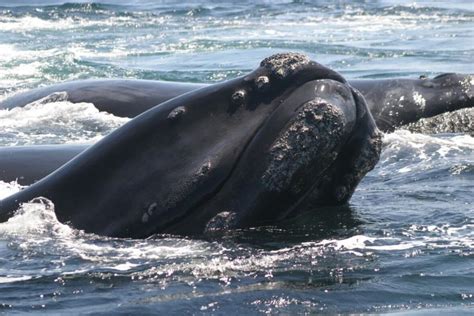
24	70
36	228
55	122
34	218
11	279
419	141
120	49
417	152
441	236
35	225
351	243
25	23
8	188
124	266
10	52
468	85
32	23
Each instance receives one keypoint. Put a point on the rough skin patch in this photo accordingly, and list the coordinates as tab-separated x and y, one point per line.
282	65
368	157
220	222
177	113
468	85
262	83
238	98
339	187
460	121
178	192
419	100
186	186
308	139
146	216
53	97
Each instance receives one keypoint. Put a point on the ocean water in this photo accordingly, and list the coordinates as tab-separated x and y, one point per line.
404	244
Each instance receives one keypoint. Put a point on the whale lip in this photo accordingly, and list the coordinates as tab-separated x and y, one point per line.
357	156
292	168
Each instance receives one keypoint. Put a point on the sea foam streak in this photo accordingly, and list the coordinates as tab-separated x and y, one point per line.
409	154
55	123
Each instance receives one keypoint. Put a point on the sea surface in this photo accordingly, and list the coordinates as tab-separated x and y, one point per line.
404	244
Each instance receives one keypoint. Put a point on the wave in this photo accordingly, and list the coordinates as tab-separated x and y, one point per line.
408	155
35	231
55	121
143	40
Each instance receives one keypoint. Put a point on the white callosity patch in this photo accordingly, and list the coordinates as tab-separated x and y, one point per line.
366	160
468	86
53	97
400	101
419	100
53	120
176	113
309	138
282	65
221	222
439	236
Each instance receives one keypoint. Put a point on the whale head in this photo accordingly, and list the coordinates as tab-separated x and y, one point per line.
238	153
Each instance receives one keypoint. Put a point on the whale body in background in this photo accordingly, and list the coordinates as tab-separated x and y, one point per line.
392	102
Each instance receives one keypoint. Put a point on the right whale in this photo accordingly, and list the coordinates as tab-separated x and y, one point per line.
398	102
246	152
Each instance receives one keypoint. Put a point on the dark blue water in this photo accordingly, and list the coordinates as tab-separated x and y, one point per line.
404	244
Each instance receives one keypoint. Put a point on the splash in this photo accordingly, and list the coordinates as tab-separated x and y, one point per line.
8	188
417	153
55	121
34	218
35	228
